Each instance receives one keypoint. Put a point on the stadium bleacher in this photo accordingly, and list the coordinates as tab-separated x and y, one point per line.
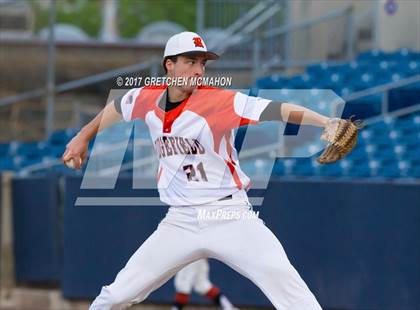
389	148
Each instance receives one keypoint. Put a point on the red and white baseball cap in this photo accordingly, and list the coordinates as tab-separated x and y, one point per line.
187	42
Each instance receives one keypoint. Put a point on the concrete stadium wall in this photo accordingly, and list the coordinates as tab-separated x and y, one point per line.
322	39
390	31
401	29
354	243
7	277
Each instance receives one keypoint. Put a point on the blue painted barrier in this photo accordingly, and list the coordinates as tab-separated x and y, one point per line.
355	243
98	241
37	234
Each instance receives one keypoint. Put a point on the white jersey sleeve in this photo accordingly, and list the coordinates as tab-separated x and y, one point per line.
249	107
128	102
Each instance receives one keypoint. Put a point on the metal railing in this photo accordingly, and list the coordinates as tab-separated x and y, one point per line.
262	50
282	55
233	15
246	24
235	42
89	80
103	150
261	7
384	90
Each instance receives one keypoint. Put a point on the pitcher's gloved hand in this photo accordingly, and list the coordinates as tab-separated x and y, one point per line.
341	135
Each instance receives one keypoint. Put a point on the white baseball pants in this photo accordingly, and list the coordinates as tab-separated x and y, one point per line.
184	236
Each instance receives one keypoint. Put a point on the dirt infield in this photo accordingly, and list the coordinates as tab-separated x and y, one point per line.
51	299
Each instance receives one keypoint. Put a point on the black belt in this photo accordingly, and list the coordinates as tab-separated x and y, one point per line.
226	198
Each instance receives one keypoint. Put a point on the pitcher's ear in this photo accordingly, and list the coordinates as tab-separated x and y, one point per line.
169	64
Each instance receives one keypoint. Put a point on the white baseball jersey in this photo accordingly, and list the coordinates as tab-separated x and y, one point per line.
198	162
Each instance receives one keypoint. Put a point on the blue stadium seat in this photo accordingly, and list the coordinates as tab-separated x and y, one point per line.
380	127
4	149
400	150
70	133
366	135
272	82
54	150
302	170
376	167
404	96
59	137
412	152
371	55
416	119
30	150
400	55
387	154
262	166
364	81
303	81
414	172
361	143
302	167
372	150
392	145
410	68
264	82
386	77
404	167
278	168
411	140
284	166
382	140
58	170
255	167
385	67
363	107
407	124
355	69
7	163
390	171
362	171
321	69
13	147
330	170
345	90
30	161
265	133
248	166
333	81
359	153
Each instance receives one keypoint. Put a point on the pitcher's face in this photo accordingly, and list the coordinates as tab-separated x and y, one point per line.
187	66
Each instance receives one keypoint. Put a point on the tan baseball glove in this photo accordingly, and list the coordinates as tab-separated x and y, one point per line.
341	135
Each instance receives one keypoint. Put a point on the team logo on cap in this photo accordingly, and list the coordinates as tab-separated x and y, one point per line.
198	42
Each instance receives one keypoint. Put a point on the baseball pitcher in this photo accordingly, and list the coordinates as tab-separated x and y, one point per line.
192	128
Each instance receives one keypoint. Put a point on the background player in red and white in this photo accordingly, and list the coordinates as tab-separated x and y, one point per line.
192	129
195	277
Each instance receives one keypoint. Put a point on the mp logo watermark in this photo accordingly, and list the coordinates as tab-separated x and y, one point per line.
130	147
